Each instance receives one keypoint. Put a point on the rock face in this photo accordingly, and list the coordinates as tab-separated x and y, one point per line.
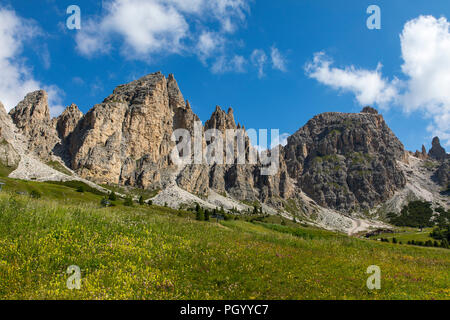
437	152
9	156
241	181
346	161
32	118
127	138
442	175
68	121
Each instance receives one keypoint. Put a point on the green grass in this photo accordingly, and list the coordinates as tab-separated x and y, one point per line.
148	252
6	170
136	192
59	167
407	234
58	191
429	165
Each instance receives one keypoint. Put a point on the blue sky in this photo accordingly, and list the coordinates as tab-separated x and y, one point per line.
256	56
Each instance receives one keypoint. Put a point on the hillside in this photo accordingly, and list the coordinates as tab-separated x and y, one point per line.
151	252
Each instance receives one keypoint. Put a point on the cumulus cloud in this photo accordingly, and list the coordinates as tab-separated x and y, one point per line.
147	27
425	44
424	86
369	86
16	78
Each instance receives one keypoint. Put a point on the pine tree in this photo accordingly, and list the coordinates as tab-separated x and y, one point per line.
141	200
200	215
112	196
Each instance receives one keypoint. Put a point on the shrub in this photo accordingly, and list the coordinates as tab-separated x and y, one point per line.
105	202
80	189
150	202
128	202
141	200
35	194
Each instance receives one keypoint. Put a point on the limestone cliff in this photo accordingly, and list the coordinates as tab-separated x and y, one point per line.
346	161
32	118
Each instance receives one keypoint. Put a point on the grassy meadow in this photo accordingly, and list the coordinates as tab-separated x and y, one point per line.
405	234
150	252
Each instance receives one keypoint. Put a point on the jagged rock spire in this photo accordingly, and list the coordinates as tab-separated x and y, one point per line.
176	99
437	151
221	120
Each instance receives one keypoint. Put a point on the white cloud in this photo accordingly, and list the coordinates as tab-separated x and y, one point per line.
278	60
425	87
223	64
149	27
259	60
425	44
208	43
16	79
368	86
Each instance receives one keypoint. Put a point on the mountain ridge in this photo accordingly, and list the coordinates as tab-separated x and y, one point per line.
337	164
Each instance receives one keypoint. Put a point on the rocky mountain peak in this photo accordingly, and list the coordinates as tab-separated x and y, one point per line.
32	117
176	99
369	109
136	92
345	160
34	108
221	120
437	152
